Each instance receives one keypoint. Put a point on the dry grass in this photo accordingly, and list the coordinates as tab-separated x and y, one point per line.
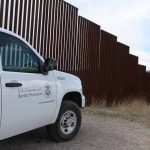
135	109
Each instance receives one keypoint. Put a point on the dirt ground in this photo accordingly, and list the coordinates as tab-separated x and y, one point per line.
98	132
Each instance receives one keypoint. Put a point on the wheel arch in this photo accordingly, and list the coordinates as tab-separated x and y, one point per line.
74	97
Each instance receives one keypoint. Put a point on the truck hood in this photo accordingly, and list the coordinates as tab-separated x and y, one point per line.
62	76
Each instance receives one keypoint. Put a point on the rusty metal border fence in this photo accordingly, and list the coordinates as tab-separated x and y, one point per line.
88	56
54	29
50	26
108	69
123	77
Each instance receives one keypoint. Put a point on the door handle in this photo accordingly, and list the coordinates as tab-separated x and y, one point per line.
13	84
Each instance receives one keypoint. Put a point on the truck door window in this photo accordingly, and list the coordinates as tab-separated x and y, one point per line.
16	56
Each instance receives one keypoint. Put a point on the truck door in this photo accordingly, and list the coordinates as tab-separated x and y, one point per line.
28	97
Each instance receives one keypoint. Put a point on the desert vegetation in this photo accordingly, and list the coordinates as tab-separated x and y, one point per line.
134	109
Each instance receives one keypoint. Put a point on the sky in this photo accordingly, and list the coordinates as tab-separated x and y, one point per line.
129	20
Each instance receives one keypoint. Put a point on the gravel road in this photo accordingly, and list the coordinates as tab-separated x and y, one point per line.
97	133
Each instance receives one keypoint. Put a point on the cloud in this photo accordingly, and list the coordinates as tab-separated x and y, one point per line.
129	20
144	57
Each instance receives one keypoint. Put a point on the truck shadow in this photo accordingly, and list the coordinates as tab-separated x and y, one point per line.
22	141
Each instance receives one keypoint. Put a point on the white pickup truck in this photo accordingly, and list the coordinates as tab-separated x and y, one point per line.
34	94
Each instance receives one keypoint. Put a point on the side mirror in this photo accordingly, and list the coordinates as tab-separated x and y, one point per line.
50	64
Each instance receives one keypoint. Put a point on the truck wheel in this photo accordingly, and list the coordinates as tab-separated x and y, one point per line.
67	124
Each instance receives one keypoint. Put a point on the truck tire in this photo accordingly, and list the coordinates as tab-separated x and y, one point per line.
67	124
